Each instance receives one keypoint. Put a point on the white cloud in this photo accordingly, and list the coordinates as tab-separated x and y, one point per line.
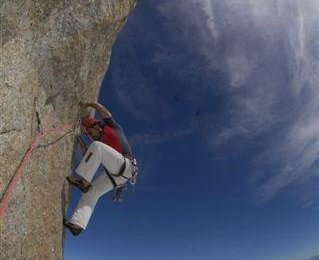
239	67
269	51
157	138
266	53
185	128
207	7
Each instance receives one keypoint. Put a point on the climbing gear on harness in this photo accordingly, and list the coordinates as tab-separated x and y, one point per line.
119	188
133	179
118	196
79	184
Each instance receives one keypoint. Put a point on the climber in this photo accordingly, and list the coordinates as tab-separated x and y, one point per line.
109	148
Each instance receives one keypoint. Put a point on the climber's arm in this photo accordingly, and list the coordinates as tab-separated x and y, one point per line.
82	144
99	108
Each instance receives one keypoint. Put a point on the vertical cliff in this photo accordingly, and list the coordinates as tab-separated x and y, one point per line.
56	52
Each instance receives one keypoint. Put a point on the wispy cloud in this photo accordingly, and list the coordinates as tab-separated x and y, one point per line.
268	51
262	57
203	124
156	138
315	257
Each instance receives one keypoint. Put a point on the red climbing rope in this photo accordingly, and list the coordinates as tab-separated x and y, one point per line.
34	145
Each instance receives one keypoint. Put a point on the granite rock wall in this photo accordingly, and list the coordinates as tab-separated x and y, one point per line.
55	52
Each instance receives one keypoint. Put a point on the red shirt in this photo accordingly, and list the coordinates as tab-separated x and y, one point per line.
110	138
114	136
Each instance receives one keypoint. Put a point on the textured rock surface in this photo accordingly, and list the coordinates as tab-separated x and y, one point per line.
57	51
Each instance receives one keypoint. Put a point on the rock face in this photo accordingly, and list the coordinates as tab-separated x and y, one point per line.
56	52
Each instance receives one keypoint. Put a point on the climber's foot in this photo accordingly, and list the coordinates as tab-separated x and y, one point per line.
75	229
83	185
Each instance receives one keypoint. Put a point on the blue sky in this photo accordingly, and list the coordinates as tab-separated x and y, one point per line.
220	103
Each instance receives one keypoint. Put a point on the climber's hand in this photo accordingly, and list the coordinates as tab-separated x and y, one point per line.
98	107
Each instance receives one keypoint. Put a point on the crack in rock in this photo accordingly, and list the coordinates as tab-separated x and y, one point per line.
5	131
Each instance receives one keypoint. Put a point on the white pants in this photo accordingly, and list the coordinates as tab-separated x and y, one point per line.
112	160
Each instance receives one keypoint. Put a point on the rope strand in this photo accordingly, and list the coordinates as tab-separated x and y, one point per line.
19	172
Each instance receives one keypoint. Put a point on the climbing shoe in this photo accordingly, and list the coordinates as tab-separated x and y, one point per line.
78	183
75	229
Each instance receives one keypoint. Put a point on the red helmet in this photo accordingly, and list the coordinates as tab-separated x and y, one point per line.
89	122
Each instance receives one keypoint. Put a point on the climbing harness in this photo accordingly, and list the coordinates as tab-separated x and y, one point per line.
33	146
120	188
132	180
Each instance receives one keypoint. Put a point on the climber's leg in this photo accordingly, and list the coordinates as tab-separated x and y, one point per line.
96	154
111	159
101	185
90	162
